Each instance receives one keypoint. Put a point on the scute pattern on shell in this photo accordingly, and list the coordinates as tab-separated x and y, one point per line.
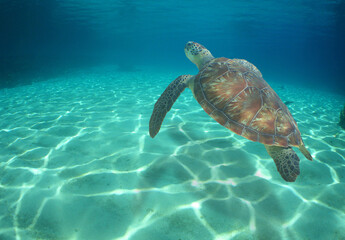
233	92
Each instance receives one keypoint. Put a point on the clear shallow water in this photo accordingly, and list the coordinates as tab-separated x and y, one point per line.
77	163
78	81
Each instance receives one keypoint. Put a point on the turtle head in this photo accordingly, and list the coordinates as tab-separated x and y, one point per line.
197	53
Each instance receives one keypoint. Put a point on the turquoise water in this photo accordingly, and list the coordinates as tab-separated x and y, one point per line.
77	163
78	83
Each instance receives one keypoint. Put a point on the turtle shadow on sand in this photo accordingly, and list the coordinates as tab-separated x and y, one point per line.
234	93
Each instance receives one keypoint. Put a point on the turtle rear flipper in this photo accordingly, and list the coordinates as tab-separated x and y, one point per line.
286	160
165	102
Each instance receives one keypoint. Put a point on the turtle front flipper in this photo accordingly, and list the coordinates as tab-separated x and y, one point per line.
165	102
286	160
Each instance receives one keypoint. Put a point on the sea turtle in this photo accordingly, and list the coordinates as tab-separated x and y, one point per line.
233	92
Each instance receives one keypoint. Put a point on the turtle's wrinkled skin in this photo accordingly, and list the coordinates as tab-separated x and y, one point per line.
234	93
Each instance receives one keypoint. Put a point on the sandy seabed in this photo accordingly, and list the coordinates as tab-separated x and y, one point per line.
76	162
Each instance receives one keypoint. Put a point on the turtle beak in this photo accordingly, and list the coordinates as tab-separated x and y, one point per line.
187	51
189	45
190	48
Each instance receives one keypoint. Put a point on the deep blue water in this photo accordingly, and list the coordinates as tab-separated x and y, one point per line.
299	41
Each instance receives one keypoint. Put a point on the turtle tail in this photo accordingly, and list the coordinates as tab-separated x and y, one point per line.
165	102
305	152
